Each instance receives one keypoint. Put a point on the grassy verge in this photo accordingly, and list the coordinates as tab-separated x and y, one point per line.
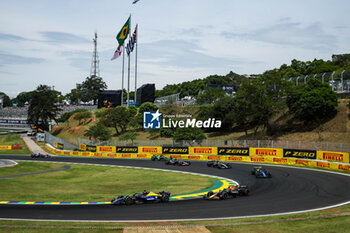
90	183
13	139
327	221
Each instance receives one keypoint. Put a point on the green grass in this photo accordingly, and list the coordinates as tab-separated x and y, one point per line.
90	183
294	223
13	139
334	224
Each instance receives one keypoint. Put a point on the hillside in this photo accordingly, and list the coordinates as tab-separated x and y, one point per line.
336	129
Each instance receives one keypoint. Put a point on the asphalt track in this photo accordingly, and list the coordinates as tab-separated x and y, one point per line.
289	190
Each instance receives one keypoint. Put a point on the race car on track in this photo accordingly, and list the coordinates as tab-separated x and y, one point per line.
173	161
38	155
260	172
158	157
218	164
231	191
141	198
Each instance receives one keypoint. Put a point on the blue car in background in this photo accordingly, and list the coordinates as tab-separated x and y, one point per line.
260	172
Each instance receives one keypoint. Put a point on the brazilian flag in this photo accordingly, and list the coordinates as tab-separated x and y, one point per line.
124	32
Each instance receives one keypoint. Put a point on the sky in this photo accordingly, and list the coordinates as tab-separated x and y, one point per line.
50	42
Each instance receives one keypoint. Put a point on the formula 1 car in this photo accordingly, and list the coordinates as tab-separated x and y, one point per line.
158	157
260	172
231	191
218	164
173	161
38	155
126	200
141	198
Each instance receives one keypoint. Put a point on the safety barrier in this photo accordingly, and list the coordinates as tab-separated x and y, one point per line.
10	147
307	158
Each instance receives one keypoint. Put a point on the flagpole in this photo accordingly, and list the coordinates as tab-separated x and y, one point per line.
121	102
136	39
127	98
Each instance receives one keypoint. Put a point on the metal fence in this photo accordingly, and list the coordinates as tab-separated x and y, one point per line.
49	138
323	146
338	80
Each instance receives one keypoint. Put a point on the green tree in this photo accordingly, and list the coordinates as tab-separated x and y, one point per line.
74	96
90	87
23	98
313	101
82	116
189	134
6	100
42	107
210	95
145	107
65	116
98	132
118	117
128	136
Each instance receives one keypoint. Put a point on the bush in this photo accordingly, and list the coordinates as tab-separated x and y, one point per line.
99	132
82	116
65	116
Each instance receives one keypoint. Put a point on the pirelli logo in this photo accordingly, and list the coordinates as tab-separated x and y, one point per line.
280	160
213	157
301	162
175	150
235	158
344	167
252	159
106	148
204	150
198	157
333	156
124	149
307	154
150	150
126	155
323	164
233	151
176	156
266	152
141	156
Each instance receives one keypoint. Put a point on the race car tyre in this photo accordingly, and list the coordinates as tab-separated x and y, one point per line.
139	201
245	192
129	201
224	196
210	193
252	173
164	198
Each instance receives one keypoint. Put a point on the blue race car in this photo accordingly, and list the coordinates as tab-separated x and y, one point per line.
260	172
142	198
38	155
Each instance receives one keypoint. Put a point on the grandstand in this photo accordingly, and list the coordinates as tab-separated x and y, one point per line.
21	112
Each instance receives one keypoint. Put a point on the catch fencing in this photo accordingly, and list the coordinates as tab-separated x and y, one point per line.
338	80
322	146
52	140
